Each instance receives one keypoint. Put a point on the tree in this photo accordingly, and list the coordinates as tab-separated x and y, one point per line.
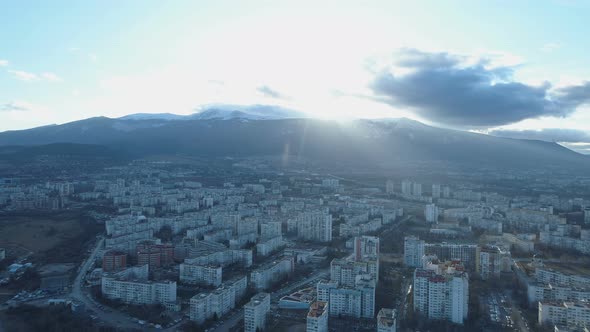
165	233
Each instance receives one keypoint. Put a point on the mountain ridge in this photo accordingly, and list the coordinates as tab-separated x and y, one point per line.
372	141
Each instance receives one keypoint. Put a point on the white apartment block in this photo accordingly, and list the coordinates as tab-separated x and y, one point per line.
431	213
366	246
218	302
347	230
442	294
267	247
128	242
270	230
386	320
345	302
330	183
315	226
539	292
200	274
138	291
323	290
317	317
468	254
366	285
532	220
389	187
222	257
407	187
214	304
344	272
356	301
413	251
570	314
263	277
493	261
553	277
256	312
417	189
446	192
435	190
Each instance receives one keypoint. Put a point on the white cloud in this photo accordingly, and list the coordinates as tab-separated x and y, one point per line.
3	63
51	77
32	77
550	47
24	75
17	106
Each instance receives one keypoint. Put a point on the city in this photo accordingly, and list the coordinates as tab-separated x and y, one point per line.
175	249
292	166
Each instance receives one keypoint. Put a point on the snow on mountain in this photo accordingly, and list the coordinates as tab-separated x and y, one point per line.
250	112
153	116
225	112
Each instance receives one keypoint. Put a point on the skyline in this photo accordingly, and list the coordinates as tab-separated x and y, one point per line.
442	66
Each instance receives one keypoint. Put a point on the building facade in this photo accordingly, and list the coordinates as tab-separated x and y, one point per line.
256	312
317	317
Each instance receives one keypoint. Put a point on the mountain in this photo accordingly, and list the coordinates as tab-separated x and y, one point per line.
250	112
70	151
375	142
153	116
225	112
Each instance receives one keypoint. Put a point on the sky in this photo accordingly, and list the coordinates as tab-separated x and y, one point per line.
510	68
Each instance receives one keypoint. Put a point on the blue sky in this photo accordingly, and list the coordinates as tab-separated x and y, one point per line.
66	60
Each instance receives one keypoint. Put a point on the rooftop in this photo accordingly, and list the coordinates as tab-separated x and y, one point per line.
317	309
386	317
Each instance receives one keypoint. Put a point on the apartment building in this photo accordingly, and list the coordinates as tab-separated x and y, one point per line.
256	312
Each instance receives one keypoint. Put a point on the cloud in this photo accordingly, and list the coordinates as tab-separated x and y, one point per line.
3	63
550	47
268	92
32	77
51	77
547	134
577	140
461	91
24	76
15	106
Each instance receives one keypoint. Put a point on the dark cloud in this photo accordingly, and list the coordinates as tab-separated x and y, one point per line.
446	89
8	107
574	95
548	134
268	92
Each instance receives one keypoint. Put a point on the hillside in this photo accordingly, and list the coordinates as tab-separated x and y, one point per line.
367	141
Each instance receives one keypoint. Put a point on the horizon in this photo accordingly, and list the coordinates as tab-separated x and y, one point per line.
320	166
382	60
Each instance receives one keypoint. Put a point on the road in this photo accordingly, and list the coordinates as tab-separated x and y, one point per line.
88	263
110	317
80	294
406	290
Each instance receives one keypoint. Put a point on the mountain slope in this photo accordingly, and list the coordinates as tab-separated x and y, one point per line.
225	112
361	141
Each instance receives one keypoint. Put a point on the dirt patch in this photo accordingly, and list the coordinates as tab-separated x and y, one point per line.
36	234
49	237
